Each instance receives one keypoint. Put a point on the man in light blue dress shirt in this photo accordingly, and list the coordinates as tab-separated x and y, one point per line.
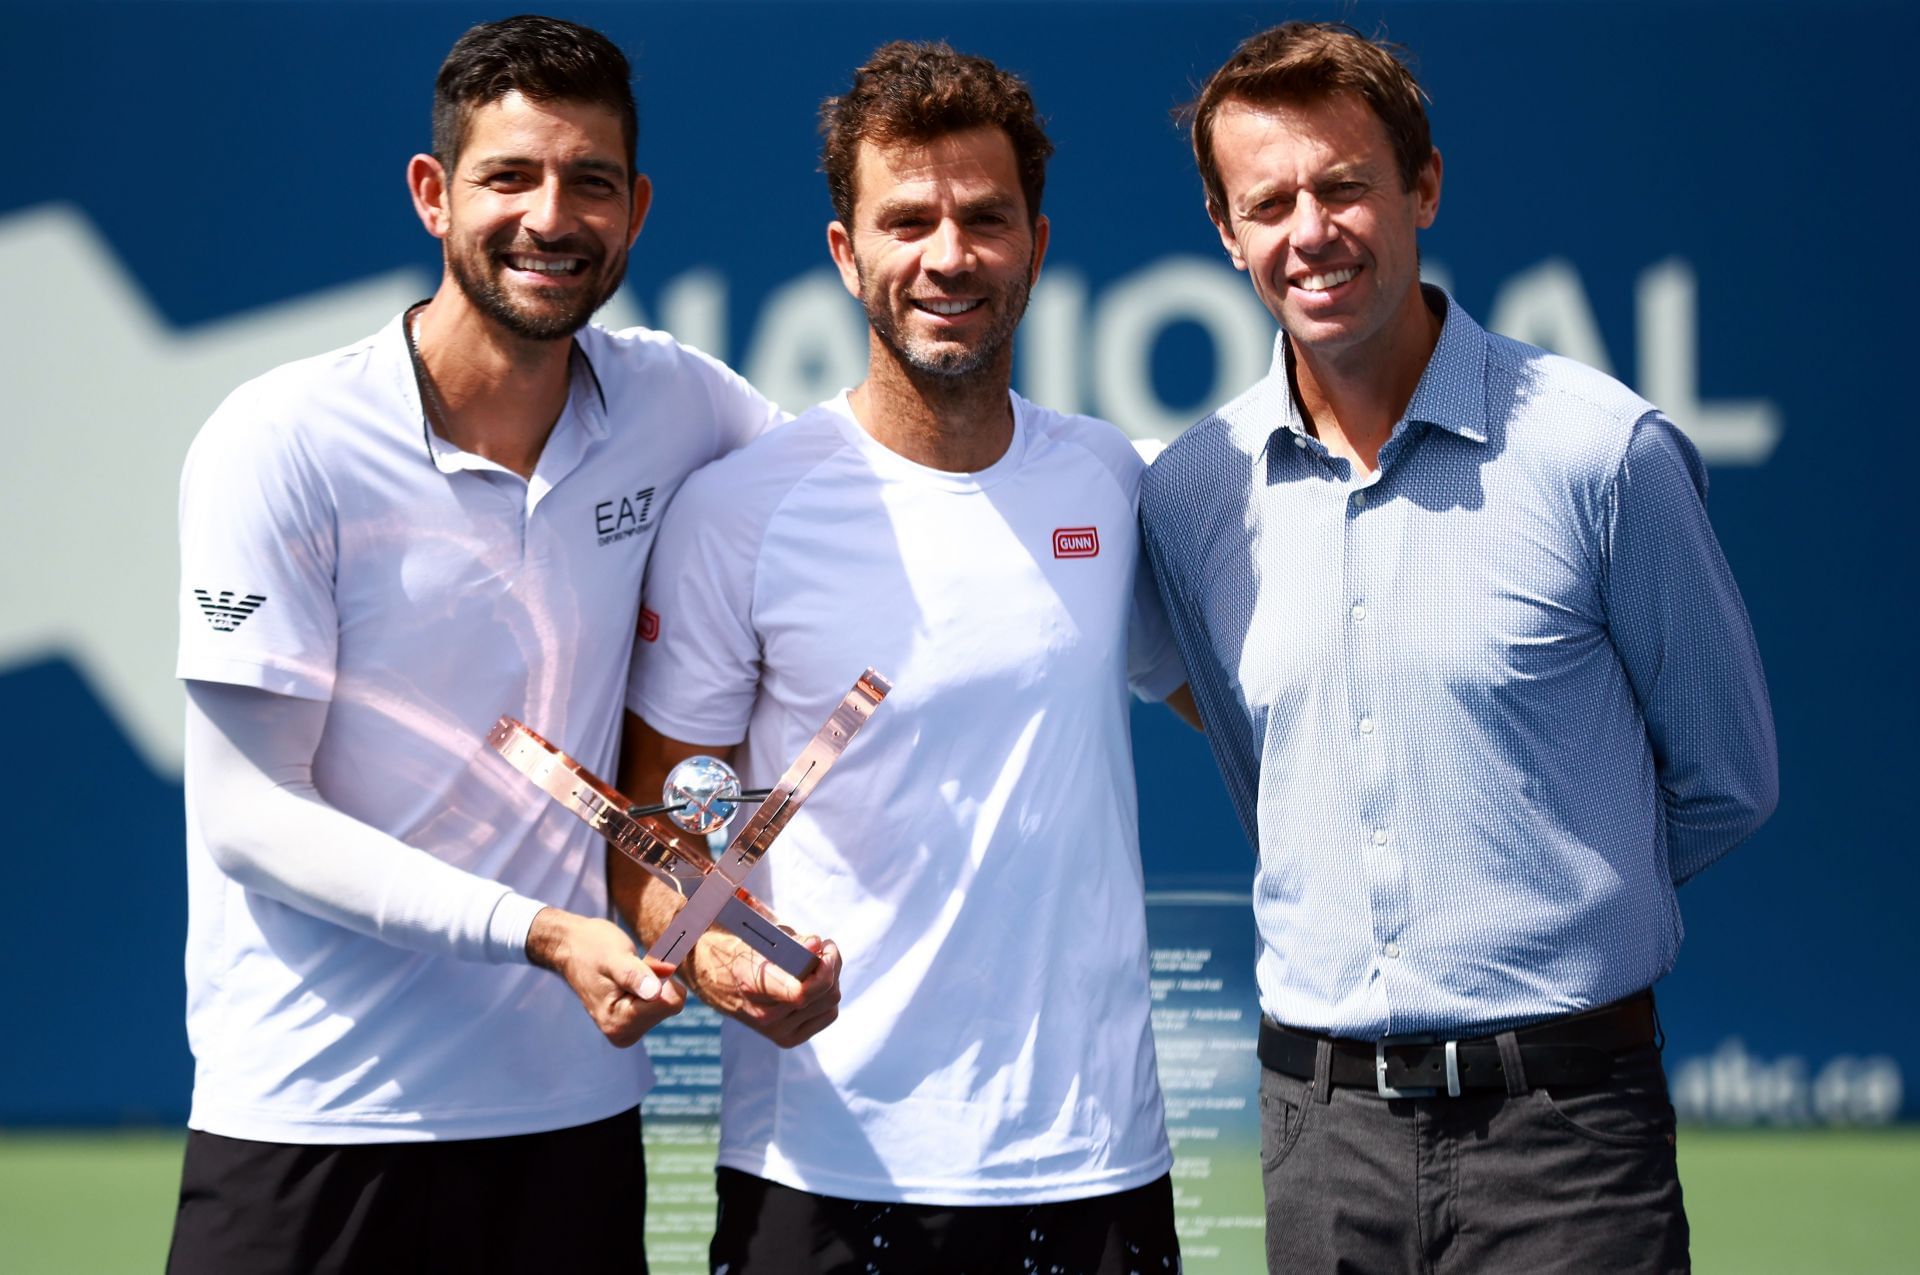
1483	691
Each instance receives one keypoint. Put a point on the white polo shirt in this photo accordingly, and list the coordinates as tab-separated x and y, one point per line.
333	550
975	851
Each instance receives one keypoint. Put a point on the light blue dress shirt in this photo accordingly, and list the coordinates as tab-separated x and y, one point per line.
1481	710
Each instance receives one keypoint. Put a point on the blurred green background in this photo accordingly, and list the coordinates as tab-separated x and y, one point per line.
1760	1201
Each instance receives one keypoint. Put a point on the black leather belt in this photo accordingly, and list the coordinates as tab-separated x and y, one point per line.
1565	1052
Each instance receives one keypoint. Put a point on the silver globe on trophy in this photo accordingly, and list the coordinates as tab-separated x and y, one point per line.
700	795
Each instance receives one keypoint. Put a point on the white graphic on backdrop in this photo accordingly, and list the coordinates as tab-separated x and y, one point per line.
1079	352
1735	1086
1548	306
1106	344
105	397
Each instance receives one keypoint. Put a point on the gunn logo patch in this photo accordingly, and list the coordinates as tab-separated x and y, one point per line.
1076	542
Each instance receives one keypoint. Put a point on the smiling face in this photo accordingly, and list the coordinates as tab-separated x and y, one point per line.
1317	216
538	213
941	252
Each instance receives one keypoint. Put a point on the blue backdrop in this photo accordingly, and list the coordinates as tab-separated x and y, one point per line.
1693	195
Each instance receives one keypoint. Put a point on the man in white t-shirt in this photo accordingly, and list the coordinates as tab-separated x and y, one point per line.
383	549
987	1100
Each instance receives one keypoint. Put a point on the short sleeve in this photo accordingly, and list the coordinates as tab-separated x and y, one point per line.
257	555
1154	667
696	668
740	412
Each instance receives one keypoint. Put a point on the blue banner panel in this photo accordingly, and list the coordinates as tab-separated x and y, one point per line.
1682	194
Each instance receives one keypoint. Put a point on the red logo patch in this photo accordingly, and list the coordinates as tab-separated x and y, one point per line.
1076	542
649	625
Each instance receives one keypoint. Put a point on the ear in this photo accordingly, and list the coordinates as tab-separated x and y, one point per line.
642	201
1041	233
1227	241
840	248
1426	190
427	183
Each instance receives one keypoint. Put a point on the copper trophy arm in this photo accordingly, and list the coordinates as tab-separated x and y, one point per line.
675	862
711	901
714	892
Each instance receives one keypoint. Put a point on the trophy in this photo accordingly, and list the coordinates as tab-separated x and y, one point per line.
700	795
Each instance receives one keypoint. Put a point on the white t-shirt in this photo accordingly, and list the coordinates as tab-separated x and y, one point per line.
333	551
975	851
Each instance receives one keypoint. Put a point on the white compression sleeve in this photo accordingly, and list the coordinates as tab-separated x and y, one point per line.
269	829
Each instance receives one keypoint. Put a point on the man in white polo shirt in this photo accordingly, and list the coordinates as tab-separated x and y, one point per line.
383	549
987	1099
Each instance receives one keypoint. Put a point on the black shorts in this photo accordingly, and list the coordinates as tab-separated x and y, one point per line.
768	1229
573	1200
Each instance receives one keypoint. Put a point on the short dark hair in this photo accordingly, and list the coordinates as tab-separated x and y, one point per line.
543	59
1305	62
910	92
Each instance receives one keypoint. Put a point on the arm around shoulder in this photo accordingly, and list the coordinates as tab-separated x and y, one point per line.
741	412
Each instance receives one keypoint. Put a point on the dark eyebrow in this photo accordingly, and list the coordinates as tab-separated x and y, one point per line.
895	207
527	161
503	161
600	166
989	203
1359	170
986	203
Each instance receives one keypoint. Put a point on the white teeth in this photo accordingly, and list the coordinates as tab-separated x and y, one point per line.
543	267
1321	282
948	307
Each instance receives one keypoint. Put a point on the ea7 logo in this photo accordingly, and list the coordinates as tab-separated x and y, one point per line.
223	612
628	516
1076	542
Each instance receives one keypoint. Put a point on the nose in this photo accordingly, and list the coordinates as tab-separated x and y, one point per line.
545	212
948	249
1313	226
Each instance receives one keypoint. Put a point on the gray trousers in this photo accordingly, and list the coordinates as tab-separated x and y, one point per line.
1530	1181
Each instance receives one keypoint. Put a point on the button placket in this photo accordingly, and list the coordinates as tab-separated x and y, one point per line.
1368	662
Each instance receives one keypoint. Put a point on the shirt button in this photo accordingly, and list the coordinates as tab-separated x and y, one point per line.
1366	726
1392	950
1359	611
1359	499
1379	836
1299	440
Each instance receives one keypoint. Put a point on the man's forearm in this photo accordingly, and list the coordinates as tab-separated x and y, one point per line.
646	758
646	905
724	972
272	832
1182	703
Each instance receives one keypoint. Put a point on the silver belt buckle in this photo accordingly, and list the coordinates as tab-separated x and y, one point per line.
1386	1090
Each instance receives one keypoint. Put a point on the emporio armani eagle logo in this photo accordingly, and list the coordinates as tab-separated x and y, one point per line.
223	612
